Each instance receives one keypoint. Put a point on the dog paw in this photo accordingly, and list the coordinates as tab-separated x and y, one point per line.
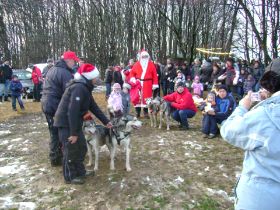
168	129
128	169
89	164
159	127
95	169
112	168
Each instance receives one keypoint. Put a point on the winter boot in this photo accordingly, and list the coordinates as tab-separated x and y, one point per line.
138	111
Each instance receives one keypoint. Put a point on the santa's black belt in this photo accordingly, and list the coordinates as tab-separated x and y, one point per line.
145	79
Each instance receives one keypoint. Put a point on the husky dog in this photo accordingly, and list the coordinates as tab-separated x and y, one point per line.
156	105
98	135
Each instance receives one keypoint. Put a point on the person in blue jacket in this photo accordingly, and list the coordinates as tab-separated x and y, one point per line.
211	119
257	131
16	90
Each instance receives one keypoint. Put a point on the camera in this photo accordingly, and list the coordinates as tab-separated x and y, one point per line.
255	96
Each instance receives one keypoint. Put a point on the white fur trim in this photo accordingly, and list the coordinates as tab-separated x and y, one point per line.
77	76
91	75
144	64
155	87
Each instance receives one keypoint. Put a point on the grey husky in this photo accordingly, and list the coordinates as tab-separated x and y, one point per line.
98	135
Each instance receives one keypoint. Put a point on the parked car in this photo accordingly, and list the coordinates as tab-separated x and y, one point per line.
41	66
25	78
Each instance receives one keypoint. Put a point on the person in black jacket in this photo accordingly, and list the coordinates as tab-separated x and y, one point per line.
8	72
117	75
108	80
53	89
76	101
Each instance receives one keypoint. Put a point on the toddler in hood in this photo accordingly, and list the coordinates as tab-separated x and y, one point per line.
115	105
197	86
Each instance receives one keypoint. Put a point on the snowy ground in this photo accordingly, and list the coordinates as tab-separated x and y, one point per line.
170	170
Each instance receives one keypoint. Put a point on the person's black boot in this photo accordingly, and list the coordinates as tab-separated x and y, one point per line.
6	98
146	114
138	111
1	99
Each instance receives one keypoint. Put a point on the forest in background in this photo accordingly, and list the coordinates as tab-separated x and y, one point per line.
108	32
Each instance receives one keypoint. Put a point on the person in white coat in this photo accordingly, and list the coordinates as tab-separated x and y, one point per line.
257	131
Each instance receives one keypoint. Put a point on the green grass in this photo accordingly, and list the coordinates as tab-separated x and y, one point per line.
207	203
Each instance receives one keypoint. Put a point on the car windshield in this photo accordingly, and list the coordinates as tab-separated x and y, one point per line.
23	75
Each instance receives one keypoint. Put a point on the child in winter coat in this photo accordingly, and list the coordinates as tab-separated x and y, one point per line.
126	98
197	86
180	78
115	105
249	84
16	89
209	103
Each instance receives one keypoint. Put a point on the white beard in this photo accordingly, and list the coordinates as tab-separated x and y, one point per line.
144	65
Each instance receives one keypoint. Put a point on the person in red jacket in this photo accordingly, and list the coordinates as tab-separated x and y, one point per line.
182	101
37	81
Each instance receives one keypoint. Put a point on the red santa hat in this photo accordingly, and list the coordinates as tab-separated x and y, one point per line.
88	71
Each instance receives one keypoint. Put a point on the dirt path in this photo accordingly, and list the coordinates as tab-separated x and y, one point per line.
170	170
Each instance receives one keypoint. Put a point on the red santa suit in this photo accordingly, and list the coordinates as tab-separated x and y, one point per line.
145	71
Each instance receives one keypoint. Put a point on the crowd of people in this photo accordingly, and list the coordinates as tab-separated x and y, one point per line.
212	87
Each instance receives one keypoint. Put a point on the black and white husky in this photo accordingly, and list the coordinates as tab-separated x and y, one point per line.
98	135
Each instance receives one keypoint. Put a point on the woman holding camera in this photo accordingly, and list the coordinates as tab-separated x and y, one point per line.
256	130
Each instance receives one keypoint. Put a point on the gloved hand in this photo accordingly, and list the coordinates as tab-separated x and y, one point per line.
87	116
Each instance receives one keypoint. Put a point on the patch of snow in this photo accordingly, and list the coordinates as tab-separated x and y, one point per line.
24	149
179	180
26	206
221	193
2	133
199	174
148	178
10	147
26	141
3	159
16	139
35	132
6	202
193	145
207	168
161	142
159	137
122	184
221	166
12	169
225	175
4	142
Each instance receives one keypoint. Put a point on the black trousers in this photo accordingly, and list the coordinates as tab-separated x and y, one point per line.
36	92
55	153
73	155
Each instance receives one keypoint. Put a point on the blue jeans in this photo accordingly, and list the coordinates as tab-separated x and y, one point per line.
7	87
182	116
108	89
14	101
2	88
210	124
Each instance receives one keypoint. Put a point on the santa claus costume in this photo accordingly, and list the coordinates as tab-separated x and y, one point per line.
144	71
